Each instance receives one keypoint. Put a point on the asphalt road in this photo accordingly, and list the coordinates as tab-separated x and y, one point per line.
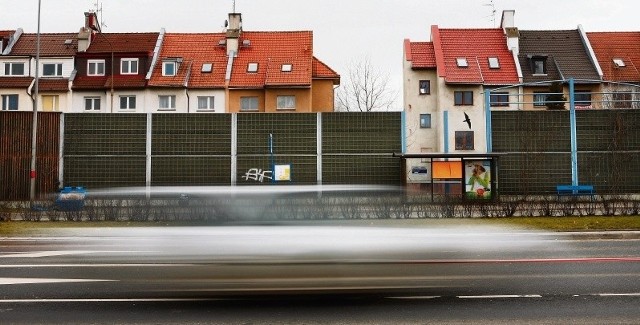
290	275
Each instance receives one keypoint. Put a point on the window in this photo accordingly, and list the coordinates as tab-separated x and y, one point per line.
128	102
95	67
539	99
286	102
462	62
622	99
207	68
167	102
205	102
494	63
92	103
463	98
14	69
9	102
425	121
169	68
52	69
619	63
287	67
129	66
252	67
499	99
50	103
539	65
464	140
425	87
582	98
248	103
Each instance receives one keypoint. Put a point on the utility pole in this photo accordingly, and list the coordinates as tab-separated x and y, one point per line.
34	132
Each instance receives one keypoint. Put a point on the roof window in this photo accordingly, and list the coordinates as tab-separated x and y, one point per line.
494	63
287	67
619	63
462	62
252	67
207	67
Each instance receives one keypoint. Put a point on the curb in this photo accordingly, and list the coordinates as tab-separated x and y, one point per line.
585	235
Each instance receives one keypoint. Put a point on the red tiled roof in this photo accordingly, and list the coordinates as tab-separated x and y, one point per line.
6	33
617	45
123	42
421	54
57	84
50	44
15	82
195	50
476	46
270	50
323	71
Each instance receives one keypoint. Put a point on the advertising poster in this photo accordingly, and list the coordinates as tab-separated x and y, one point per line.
282	173
477	175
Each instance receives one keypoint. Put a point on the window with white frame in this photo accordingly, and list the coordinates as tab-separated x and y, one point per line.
167	102
128	102
425	121
539	99
10	102
52	70
494	63
169	68
287	67
249	103
92	103
205	102
252	67
286	102
129	66
14	69
619	63
95	67
50	103
462	62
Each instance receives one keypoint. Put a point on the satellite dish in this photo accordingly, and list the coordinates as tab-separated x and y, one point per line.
226	23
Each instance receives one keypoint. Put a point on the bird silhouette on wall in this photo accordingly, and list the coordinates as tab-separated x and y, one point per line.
467	119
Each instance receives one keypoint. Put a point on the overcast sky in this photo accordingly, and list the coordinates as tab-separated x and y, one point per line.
344	30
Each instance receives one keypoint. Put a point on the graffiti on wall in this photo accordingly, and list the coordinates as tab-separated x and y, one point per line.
257	174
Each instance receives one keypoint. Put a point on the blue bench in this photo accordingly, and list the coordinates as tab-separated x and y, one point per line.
574	190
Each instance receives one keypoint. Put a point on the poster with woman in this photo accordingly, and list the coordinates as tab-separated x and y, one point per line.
478	179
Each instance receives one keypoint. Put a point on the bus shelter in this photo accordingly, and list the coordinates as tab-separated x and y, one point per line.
467	176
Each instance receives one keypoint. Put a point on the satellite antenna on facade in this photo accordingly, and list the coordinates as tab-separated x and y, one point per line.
493	12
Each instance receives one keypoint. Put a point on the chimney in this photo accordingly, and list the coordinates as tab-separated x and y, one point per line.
233	33
507	24
90	27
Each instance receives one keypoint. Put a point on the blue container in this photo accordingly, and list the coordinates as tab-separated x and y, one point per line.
71	198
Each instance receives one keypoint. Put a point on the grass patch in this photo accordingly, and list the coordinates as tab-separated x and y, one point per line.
587	223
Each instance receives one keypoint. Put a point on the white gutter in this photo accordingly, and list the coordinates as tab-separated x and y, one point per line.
156	53
592	55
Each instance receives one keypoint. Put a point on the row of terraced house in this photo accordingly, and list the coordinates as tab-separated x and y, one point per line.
230	71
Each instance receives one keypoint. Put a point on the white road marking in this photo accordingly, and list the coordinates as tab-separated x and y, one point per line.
634	294
45	254
5	281
499	296
414	297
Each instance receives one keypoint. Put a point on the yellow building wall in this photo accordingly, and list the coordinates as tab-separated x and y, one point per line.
596	97
303	99
235	95
322	96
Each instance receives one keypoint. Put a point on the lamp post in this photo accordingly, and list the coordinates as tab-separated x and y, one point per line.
34	142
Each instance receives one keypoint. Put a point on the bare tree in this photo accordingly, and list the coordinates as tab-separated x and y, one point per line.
366	89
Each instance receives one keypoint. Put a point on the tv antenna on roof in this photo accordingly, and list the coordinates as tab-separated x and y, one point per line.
234	6
98	6
493	12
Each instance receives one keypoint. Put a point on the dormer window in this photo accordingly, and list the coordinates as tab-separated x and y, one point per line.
252	67
619	63
207	67
169	68
287	67
129	66
95	67
462	62
538	64
494	63
13	69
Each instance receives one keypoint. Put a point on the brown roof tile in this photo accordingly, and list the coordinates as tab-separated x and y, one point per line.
15	82
566	55
123	42
50	44
57	84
